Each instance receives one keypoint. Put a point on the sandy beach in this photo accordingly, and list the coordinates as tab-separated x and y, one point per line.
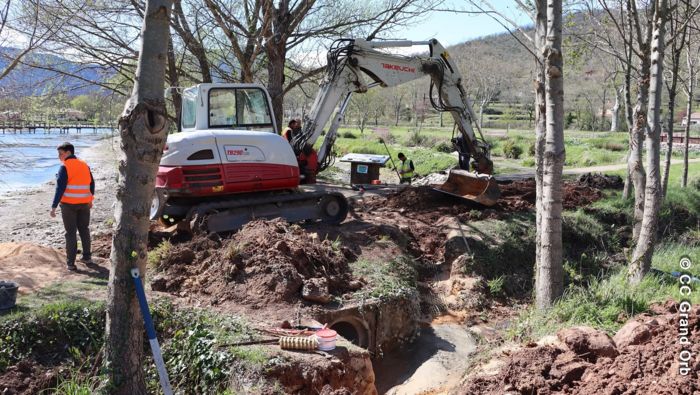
25	212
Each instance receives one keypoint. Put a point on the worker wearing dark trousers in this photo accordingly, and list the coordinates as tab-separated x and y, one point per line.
75	189
406	170
460	145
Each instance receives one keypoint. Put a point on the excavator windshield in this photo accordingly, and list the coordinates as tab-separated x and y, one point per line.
238	108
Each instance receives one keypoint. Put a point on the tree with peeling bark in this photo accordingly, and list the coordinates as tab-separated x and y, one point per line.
143	129
644	248
635	165
550	152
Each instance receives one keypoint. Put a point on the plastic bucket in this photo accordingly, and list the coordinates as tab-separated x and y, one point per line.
8	294
326	339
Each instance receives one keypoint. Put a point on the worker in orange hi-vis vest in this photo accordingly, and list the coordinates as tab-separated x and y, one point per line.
75	190
288	132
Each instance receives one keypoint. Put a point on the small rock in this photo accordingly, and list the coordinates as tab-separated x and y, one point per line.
316	290
588	343
568	368
632	333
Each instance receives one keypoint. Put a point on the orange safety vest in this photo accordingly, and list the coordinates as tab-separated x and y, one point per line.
287	133
79	178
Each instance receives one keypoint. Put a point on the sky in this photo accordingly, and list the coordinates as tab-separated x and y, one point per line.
452	28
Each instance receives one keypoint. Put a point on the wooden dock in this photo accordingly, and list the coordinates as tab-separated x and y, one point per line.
32	127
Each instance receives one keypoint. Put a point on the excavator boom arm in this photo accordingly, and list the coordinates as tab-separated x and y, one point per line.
354	66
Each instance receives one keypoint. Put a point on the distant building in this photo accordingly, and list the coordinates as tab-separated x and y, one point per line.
10	116
71	115
694	119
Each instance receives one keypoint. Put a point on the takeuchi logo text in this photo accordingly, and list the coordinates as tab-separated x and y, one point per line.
236	152
406	69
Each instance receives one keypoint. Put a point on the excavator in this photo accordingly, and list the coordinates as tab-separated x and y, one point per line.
229	165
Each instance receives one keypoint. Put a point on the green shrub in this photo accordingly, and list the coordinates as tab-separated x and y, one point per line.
496	286
348	135
51	332
156	255
416	139
445	147
610	146
511	150
195	362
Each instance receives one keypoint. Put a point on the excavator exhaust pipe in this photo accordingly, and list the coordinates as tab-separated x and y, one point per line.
480	188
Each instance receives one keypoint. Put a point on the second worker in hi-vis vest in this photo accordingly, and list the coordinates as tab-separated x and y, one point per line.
75	190
406	169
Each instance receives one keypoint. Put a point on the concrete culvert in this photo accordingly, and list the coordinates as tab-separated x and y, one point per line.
354	332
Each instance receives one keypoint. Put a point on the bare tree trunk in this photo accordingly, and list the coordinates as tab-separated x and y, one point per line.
143	129
615	112
635	164
550	277
669	132
540	129
644	250
275	83
676	52
174	80
627	191
689	111
195	46
481	114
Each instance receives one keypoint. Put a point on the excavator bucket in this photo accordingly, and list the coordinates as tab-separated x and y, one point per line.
480	188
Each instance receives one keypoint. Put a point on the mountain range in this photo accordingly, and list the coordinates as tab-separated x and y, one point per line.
42	73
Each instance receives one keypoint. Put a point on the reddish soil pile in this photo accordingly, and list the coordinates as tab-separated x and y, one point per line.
643	357
515	196
520	195
265	262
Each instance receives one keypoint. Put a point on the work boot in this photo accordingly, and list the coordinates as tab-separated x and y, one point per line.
71	267
87	261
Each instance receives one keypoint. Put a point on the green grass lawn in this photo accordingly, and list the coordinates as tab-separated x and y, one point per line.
429	147
606	300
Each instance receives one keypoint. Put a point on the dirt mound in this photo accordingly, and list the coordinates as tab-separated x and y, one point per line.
422	198
27	377
520	195
265	262
32	266
600	181
646	360
515	196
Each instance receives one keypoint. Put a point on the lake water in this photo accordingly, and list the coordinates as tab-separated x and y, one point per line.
29	160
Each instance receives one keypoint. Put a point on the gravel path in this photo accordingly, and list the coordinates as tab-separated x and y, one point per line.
25	213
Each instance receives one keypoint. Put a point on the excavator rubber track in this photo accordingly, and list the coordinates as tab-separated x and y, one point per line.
480	188
230	214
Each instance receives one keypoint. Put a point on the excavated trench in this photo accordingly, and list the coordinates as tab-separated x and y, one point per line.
275	271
